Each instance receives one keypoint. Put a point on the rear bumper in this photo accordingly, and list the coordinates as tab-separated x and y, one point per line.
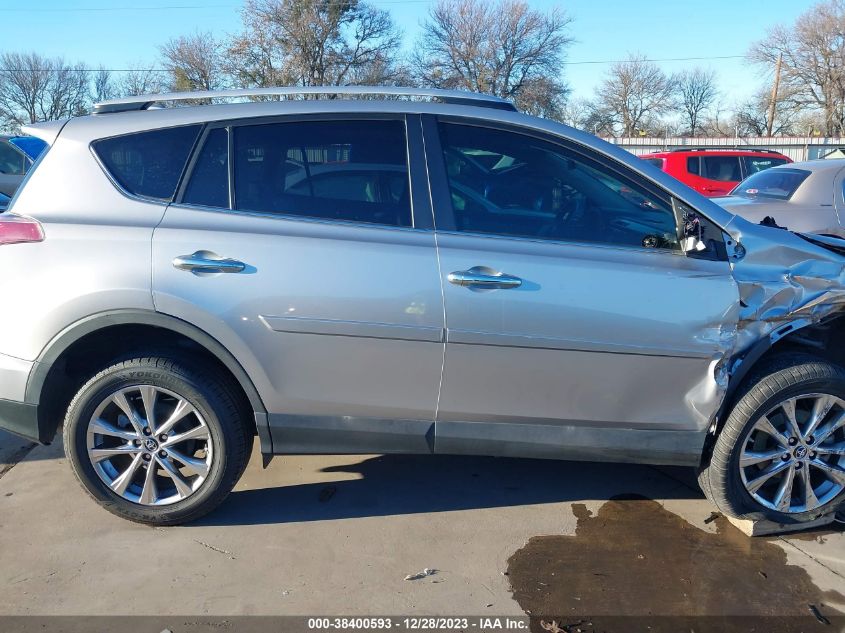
14	374
21	419
16	415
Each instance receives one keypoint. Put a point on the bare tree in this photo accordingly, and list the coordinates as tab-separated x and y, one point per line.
35	88
634	93
751	117
813	69
102	86
718	121
504	48
696	91
598	119
314	42
195	62
141	80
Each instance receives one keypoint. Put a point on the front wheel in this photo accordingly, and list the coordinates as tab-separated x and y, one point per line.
156	440
781	453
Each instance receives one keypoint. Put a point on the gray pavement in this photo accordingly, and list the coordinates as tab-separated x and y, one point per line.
336	535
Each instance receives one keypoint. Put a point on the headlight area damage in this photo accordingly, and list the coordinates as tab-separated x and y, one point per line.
786	282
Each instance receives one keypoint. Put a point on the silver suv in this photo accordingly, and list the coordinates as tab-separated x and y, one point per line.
430	272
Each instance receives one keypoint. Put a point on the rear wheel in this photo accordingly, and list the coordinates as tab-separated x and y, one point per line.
156	440
781	453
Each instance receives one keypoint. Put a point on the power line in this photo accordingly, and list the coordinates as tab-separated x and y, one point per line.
108	9
573	63
665	59
176	7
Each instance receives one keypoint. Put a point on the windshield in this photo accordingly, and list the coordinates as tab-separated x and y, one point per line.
779	183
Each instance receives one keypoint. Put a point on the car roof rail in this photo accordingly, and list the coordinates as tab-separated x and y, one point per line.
456	97
726	148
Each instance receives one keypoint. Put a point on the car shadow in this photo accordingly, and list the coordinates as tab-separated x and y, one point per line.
411	484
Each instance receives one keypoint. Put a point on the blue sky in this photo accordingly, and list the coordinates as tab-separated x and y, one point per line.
117	33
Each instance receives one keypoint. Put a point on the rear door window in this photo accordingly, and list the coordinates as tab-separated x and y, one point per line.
355	171
721	168
148	164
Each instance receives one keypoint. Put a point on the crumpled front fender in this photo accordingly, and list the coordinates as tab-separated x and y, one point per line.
783	279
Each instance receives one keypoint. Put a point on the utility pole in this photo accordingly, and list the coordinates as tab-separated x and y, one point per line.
773	103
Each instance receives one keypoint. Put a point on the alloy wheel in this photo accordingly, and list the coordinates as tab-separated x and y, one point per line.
793	458
149	445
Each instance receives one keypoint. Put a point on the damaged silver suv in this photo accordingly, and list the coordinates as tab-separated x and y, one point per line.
430	272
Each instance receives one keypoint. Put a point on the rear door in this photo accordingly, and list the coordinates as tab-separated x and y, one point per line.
305	246
575	325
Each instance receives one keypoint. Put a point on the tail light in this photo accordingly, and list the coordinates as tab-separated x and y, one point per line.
16	229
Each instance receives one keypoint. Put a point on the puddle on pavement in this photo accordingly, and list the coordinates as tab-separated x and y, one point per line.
634	558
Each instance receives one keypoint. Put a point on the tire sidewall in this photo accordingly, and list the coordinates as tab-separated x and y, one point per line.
101	387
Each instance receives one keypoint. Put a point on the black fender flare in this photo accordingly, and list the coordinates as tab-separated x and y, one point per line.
102	320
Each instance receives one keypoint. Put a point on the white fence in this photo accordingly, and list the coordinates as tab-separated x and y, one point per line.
796	147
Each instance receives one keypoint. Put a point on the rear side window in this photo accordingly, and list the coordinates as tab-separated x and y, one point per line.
336	170
148	164
721	168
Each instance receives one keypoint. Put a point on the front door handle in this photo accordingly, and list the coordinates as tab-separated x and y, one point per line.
483	277
207	262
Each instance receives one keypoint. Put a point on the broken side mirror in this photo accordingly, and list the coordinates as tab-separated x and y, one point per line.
692	233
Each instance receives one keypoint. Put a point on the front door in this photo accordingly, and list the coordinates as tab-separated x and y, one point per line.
305	247
575	325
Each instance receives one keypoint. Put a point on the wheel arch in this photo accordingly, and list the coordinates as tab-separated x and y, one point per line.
49	373
824	339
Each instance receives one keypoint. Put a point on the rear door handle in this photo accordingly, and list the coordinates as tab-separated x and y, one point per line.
207	262
483	277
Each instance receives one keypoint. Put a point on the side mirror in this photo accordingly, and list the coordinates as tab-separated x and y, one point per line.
693	244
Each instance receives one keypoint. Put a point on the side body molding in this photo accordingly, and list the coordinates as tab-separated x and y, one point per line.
67	337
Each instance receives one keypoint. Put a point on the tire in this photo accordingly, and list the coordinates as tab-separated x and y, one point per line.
205	422
784	379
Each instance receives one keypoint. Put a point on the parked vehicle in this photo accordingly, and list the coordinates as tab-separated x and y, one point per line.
436	275
17	154
713	171
4	201
804	197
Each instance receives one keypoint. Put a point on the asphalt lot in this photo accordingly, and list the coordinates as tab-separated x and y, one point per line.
339	534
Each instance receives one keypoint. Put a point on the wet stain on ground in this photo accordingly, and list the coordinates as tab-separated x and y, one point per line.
635	559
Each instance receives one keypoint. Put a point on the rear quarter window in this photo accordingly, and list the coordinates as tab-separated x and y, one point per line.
753	164
148	164
694	165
